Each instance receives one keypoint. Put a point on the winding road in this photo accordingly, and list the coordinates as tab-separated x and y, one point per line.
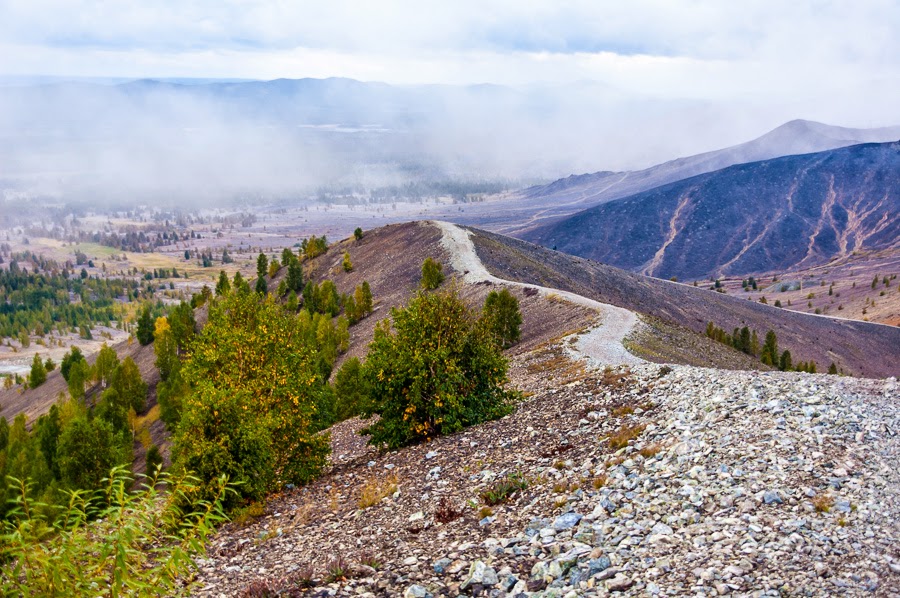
601	345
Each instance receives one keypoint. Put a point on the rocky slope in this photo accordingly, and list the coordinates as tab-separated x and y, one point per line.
786	213
736	483
635	480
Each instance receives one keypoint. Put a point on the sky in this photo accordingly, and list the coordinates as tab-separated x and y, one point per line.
797	51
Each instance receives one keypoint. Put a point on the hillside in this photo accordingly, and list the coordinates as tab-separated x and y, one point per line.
786	213
578	192
667	480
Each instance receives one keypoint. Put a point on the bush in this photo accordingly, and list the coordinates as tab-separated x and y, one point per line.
347	264
358	233
154	461
350	390
502	317
112	541
259	398
432	275
87	450
74	355
438	373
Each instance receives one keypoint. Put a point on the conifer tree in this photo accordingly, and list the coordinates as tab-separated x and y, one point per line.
223	287
38	374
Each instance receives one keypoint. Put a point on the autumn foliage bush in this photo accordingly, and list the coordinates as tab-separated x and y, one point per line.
435	371
258	399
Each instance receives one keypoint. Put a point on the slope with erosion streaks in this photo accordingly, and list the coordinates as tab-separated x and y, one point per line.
787	213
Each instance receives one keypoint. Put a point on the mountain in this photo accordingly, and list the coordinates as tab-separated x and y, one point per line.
787	213
577	192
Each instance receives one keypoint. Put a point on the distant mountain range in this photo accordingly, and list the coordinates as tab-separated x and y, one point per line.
578	192
786	213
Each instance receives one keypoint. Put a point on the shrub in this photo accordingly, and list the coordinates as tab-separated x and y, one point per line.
376	489
350	389
154	461
502	317
621	437
432	275
446	512
438	373
503	489
113	540
347	264
259	399
358	233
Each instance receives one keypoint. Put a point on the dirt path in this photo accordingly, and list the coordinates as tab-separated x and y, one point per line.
600	345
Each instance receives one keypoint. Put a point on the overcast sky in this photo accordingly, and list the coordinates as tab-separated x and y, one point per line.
693	48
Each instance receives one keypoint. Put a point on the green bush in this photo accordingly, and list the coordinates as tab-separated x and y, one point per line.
502	317
111	542
438	372
38	373
259	398
432	275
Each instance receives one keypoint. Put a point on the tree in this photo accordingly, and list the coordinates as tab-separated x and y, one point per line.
240	285
350	389
79	374
183	325
754	344
287	256
166	348
329	300
38	374
223	287
274	267
785	362
435	373
105	366
358	233
294	276
128	383
262	287
262	265
145	327
502	317
259	398
769	354
432	277
86	452
347	264
832	369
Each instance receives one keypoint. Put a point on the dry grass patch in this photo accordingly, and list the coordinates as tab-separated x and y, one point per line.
823	503
376	489
621	437
650	450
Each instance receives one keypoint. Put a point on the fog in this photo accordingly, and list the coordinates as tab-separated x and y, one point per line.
212	142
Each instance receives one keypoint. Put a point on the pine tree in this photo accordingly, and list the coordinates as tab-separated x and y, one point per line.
295	276
358	233
432	277
347	264
223	287
785	361
769	354
38	374
832	369
145	327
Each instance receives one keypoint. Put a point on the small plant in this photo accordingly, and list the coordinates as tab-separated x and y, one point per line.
560	502
599	481
651	450
613	379
376	489
823	503
664	371
502	490
559	465
446	512
621	437
370	560
244	515
485	511
260	588
842	521
337	569
622	410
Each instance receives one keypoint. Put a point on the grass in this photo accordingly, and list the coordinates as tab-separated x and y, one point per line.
337	569
244	515
376	489
503	489
650	450
823	503
599	481
621	437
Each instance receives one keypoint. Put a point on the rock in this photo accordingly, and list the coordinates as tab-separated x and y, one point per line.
417	516
480	574
619	583
661	529
441	565
566	521
410	561
599	564
772	497
431	455
415	591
